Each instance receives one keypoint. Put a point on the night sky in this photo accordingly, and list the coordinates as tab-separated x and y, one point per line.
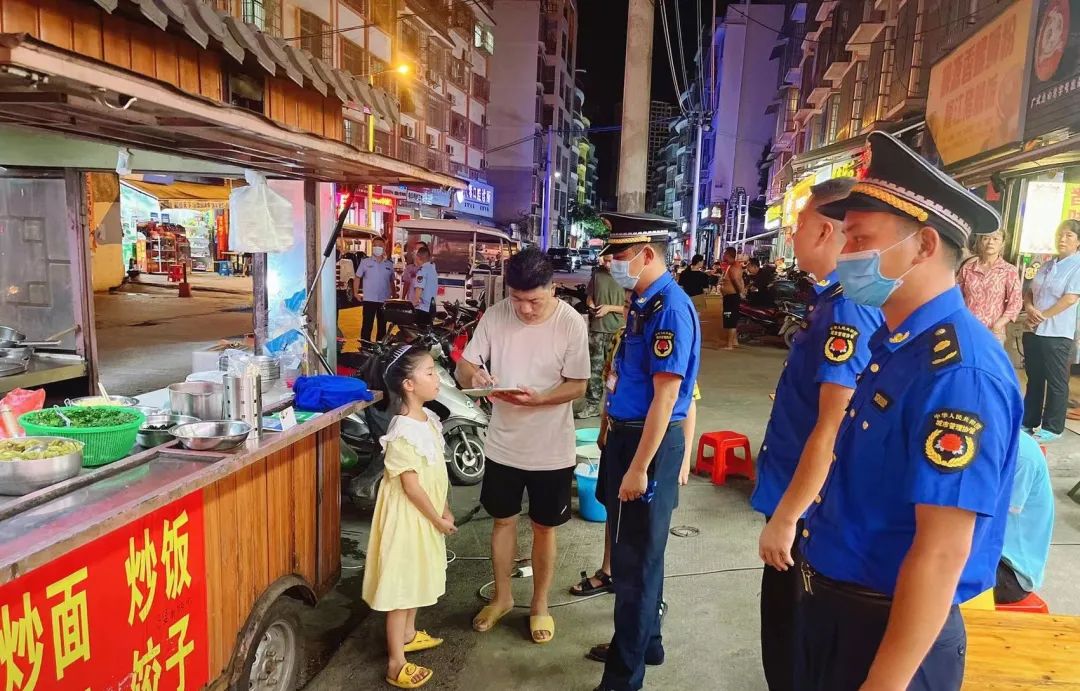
602	51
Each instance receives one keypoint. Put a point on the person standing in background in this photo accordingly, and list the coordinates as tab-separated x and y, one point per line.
733	289
408	276
991	285
1028	528
425	288
695	282
1050	304
377	276
606	300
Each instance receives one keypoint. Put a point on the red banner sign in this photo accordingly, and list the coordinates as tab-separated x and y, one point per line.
126	611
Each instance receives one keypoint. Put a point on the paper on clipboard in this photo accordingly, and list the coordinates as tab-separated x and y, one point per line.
480	393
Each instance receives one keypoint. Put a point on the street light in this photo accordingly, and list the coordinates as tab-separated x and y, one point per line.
402	69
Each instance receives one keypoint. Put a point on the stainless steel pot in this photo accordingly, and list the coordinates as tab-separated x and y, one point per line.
23	477
16	353
204	400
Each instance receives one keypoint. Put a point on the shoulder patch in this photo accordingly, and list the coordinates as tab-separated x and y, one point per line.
663	343
944	347
953	439
840	343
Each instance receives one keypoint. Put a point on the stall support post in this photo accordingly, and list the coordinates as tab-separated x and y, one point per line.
79	244
312	271
260	301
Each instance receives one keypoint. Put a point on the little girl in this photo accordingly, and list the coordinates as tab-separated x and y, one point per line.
406	555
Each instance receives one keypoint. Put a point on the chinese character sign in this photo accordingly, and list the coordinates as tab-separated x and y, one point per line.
976	99
126	611
1055	69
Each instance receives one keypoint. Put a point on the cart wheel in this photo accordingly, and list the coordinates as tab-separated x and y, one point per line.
273	663
465	456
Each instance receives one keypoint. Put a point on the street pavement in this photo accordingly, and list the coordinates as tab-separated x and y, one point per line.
713	617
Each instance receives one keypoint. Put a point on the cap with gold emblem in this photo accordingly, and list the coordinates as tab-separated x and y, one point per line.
626	229
901	182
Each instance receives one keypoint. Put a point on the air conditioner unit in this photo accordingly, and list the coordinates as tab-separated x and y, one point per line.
449	149
408	131
432	142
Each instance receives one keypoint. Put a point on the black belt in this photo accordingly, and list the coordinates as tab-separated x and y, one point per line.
638	425
813	580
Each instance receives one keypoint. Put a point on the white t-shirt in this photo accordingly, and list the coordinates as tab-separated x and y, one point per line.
539	356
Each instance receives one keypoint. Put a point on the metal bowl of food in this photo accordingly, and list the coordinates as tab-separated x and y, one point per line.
83	401
156	430
149	410
212	435
29	464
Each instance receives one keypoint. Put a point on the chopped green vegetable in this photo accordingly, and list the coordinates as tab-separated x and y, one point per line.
32	449
84	417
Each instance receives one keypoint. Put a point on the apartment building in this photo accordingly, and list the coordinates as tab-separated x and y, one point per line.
848	67
661	115
430	56
533	85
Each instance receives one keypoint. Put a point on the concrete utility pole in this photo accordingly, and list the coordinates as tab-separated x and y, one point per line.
637	87
695	244
548	192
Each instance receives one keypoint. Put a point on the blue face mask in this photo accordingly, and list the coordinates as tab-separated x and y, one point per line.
620	271
377	251
860	273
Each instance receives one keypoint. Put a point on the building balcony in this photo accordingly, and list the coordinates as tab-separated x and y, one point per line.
865	33
837	71
793	75
819	95
825	10
438	161
411	152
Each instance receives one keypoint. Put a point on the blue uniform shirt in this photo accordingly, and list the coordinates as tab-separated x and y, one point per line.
427	279
833	348
934	420
1031	516
662	335
378	276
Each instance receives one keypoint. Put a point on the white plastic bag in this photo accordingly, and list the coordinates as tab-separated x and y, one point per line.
260	219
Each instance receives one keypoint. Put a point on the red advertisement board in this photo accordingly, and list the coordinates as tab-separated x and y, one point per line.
126	611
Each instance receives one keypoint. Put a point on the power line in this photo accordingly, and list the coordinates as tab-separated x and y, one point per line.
682	53
670	56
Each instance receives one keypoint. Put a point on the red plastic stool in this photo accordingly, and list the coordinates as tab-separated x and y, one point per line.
724	460
1032	604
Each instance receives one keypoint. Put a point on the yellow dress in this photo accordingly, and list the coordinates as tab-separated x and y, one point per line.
406	554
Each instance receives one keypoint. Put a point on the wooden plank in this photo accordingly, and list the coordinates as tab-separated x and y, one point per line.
86	31
251	537
210	84
116	41
166	63
142	52
303	478
329	498
280	540
292	106
1010	650
219	587
277	105
187	56
55	24
19	17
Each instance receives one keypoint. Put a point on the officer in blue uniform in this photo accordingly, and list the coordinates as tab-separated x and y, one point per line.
649	394
826	357
912	517
377	276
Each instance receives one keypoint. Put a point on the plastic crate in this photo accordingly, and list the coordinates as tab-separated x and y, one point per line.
103	445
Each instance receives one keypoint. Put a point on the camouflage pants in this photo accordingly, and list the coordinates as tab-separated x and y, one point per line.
600	346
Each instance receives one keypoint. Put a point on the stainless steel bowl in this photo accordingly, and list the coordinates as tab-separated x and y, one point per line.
17	353
149	438
149	410
125	401
212	435
204	400
23	477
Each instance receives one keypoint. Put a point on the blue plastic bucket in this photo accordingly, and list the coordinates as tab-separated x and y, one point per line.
587	435
590	508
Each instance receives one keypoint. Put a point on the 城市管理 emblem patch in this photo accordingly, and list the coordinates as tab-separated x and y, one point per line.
840	343
663	343
953	440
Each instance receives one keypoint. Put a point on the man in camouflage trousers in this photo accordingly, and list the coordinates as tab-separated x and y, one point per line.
606	300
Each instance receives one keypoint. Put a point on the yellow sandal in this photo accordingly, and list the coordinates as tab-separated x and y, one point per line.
541	623
408	673
488	617
422	641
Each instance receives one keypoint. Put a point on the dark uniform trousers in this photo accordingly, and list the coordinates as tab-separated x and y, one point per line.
781	592
839	634
638	540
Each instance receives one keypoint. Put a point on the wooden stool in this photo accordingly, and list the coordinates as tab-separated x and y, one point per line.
1032	603
724	460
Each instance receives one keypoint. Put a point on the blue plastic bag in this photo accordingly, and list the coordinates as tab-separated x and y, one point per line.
326	392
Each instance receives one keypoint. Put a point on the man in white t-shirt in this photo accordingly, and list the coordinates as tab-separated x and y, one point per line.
539	344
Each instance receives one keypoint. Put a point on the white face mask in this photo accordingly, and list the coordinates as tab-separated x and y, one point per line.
376	251
620	271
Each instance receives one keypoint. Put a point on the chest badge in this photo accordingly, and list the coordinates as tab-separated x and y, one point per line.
840	343
881	401
663	344
953	440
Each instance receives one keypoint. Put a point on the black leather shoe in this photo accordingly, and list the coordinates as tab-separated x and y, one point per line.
599	653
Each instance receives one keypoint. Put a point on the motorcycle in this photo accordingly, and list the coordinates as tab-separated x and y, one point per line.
576	296
464	431
782	321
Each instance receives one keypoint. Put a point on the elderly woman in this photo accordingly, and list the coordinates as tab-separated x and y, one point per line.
1050	304
991	285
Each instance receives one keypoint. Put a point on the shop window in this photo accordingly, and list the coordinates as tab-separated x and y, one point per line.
410	39
247	92
355	134
857	98
382	142
834	119
265	14
315	36
353	58
476	135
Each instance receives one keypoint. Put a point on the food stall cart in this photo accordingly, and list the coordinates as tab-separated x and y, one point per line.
172	568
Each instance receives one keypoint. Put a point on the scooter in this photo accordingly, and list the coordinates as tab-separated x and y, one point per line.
464	431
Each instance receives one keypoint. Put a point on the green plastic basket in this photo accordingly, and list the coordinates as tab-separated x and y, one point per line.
103	445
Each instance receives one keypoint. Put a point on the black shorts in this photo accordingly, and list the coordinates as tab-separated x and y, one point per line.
731	310
549	493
